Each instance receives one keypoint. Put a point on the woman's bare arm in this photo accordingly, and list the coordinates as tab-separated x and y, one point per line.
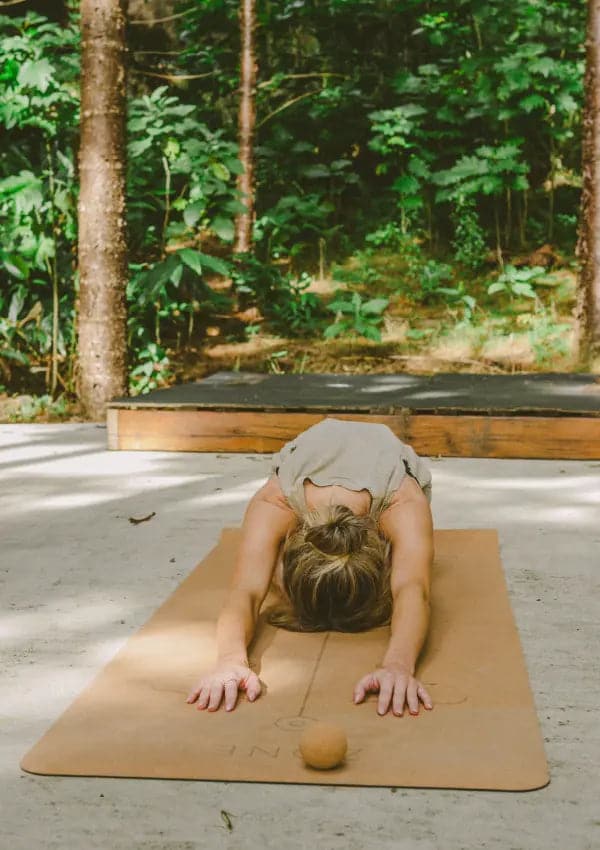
408	525
266	523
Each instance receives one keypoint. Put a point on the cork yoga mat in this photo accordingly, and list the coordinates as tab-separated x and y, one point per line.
133	720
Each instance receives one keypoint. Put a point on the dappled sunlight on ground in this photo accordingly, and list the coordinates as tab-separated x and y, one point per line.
241	493
78	579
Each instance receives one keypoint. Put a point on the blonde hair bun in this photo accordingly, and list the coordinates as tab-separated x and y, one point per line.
336	574
342	534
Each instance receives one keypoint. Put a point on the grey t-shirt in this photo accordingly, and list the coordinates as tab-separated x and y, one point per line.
356	455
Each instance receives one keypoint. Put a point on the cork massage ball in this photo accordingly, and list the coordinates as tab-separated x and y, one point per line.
323	745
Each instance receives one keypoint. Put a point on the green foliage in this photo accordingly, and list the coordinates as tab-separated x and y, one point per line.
284	300
152	370
549	340
356	316
39	107
181	178
517	282
401	141
463	134
23	332
293	224
389	236
488	171
469	242
31	408
38	75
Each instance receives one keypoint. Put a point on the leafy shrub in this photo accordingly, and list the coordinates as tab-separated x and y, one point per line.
293	224
517	282
152	370
356	316
469	244
284	300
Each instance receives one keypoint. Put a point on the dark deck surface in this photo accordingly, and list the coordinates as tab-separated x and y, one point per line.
550	394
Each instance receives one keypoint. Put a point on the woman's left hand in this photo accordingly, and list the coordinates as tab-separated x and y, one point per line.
396	687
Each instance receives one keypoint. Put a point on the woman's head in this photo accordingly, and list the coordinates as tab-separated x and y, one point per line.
335	574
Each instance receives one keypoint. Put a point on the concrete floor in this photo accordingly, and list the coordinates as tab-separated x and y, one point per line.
78	579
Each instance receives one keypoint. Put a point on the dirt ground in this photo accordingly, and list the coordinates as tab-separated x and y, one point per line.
525	336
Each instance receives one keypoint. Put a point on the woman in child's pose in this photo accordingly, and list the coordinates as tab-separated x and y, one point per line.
343	531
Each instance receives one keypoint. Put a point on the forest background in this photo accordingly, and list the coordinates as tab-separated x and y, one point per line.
418	178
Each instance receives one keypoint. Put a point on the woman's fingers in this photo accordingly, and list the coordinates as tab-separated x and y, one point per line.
386	689
362	688
216	695
396	691
399	697
424	697
193	695
231	692
252	687
411	696
203	697
222	689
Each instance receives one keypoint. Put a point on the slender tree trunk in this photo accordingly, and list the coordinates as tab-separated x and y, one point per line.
499	256
53	270
551	195
102	319
508	222
246	123
588	244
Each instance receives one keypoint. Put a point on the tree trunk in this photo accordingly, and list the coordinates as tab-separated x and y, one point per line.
588	243
246	124
102	319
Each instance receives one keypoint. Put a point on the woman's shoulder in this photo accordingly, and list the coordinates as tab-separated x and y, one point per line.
409	492
407	513
272	493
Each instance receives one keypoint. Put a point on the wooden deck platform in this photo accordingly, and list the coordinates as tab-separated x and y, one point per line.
458	415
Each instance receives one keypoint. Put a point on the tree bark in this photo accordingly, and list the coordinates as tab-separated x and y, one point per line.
588	244
102	319
246	124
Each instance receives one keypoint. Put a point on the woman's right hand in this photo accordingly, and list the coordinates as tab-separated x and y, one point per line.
225	681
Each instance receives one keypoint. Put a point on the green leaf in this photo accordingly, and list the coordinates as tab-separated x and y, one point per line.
136	148
418	167
544	65
375	306
16	266
17	182
220	171
315	172
36	75
224	228
193	212
566	102
16	305
341	307
334	330
235	207
234	165
531	102
524	289
192	259
371	332
153	280
214	264
496	287
406	184
176	275
18	356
